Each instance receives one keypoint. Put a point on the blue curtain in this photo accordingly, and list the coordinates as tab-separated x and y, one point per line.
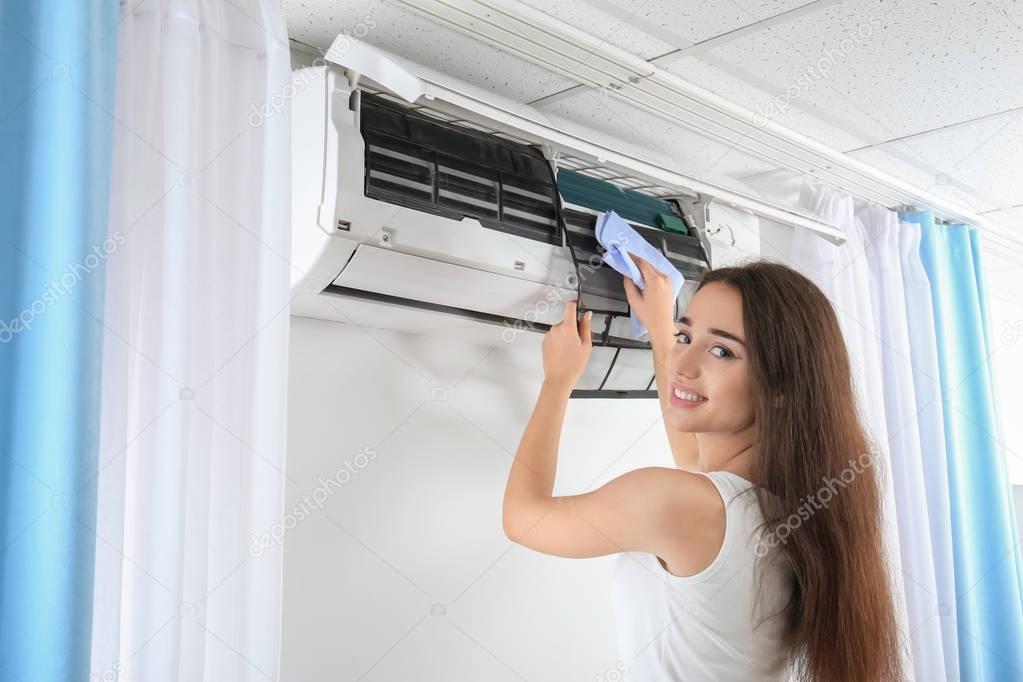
57	71
986	552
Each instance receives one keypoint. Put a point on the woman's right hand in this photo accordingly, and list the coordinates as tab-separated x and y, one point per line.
655	306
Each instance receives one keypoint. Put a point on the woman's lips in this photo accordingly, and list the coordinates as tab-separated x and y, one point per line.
683	402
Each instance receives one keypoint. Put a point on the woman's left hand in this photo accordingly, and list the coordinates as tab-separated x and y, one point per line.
566	348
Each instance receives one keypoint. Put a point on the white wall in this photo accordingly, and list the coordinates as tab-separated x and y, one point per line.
418	523
1005	307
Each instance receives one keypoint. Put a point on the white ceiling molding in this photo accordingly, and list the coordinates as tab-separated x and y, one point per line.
561	48
687	48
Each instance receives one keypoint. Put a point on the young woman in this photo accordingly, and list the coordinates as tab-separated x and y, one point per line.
759	556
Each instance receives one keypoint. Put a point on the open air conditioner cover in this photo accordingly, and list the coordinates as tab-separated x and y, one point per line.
400	207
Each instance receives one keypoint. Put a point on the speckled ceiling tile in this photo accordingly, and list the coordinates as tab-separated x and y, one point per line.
979	163
893	68
698	20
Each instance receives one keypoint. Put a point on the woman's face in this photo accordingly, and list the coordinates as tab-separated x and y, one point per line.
710	362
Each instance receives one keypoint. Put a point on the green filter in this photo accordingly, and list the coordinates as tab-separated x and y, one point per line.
599	195
672	223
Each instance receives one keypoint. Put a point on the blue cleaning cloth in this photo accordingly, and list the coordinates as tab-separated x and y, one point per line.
620	239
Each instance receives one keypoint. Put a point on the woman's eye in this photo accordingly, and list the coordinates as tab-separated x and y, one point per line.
717	351
725	353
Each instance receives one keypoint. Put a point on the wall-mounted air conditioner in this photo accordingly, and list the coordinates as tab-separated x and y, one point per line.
407	216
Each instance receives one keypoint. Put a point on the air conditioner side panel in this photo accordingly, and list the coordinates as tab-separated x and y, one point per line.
313	174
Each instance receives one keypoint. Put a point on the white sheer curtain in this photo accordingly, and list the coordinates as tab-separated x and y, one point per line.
195	356
929	422
876	284
884	259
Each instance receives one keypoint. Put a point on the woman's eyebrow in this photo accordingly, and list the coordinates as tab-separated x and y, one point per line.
716	332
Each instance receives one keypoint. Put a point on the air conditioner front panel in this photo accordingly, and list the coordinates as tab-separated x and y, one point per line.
418	278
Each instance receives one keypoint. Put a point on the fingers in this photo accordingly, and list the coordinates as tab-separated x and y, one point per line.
585	328
570	310
645	267
632	293
582	326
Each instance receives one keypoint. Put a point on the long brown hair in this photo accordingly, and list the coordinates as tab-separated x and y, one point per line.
840	624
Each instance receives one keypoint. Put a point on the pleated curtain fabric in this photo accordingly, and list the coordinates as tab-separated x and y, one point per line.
929	424
985	541
887	294
192	454
57	70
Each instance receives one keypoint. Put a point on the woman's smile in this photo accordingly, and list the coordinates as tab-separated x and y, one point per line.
685	397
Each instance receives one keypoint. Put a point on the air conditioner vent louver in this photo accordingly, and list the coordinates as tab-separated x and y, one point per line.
444	169
398	169
474	191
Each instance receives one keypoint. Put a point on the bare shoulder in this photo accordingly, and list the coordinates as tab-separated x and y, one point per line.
685	496
696	492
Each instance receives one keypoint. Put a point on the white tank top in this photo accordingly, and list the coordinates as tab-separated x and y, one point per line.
702	628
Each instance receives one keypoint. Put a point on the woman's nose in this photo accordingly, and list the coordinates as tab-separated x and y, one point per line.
684	363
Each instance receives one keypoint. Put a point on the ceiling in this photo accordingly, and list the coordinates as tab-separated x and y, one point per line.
922	90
